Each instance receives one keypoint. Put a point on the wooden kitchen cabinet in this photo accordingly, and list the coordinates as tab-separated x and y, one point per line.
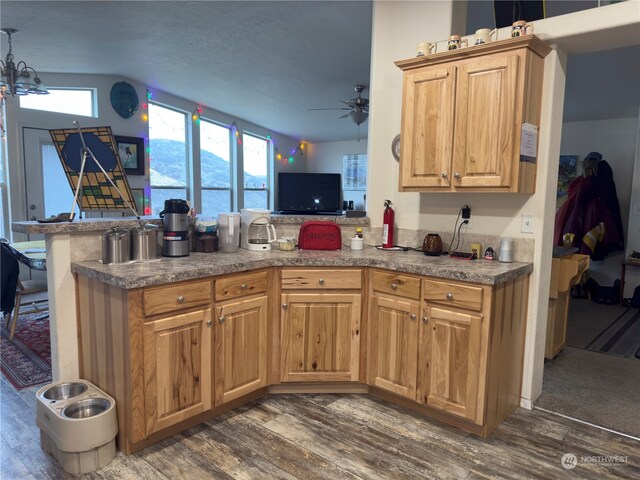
240	335
393	332
449	359
173	356
177	368
240	339
393	344
462	117
320	328
454	340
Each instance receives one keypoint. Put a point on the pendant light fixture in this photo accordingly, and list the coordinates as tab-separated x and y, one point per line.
20	78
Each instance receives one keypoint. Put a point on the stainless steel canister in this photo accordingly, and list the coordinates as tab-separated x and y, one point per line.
116	245
144	242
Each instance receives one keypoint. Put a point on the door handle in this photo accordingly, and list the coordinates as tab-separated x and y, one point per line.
285	306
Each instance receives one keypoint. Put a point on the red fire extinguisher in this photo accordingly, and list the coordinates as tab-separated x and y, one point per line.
387	225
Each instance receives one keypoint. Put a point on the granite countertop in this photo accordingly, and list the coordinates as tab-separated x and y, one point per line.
102	224
201	265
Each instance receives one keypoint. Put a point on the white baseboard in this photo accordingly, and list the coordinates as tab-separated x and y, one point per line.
526	403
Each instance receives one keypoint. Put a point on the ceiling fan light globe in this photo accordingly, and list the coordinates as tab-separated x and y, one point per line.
358	117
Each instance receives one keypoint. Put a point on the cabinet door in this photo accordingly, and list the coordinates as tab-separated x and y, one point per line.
177	368
427	127
488	109
240	348
450	370
393	345
320	337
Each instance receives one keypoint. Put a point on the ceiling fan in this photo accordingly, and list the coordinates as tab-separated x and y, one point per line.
358	107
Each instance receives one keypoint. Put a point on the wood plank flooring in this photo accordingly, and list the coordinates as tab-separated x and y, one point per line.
332	437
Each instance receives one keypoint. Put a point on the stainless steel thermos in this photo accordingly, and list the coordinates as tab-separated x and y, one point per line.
175	239
115	245
144	242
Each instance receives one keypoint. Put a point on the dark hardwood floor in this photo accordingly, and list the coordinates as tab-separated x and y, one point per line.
334	436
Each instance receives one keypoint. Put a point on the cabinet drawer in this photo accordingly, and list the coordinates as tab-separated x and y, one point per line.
176	297
396	284
453	294
241	285
321	279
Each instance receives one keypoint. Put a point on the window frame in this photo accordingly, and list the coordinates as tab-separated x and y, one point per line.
94	100
270	169
232	181
188	153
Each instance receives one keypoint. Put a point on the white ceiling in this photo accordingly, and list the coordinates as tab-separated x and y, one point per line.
264	61
267	62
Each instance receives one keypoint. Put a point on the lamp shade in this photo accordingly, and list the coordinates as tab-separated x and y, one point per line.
358	116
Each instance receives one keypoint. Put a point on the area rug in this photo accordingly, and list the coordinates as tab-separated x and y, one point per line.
587	320
621	338
26	360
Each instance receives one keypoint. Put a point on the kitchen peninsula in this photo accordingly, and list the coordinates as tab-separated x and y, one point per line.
179	340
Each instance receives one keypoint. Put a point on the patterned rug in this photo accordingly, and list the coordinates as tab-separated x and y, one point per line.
26	360
621	337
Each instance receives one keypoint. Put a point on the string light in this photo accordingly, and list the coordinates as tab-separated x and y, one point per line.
291	155
195	116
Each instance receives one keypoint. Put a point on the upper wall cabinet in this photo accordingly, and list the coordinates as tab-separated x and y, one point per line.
462	117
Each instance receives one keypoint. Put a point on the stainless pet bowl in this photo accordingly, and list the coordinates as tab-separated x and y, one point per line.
89	407
64	391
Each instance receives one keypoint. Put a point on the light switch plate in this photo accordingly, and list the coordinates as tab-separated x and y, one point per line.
527	223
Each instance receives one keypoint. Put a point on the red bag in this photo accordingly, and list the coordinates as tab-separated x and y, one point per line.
320	236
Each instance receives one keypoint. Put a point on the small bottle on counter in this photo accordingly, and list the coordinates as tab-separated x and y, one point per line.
359	232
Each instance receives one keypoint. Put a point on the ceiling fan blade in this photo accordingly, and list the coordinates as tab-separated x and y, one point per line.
345	115
335	108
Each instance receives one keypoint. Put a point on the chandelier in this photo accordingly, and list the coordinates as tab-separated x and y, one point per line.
20	79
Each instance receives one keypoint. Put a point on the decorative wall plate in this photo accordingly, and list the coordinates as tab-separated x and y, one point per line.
124	99
395	147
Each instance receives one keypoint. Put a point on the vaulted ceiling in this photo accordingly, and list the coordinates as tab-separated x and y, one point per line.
264	61
267	62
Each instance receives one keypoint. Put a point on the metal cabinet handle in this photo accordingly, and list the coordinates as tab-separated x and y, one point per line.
243	286
444	174
180	299
285	306
393	286
425	319
413	316
221	319
209	322
321	281
457	175
449	296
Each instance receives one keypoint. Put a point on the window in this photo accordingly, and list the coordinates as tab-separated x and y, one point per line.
255	174
58	197
168	155
215	168
75	101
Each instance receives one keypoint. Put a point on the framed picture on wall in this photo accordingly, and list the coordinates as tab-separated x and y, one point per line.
354	172
131	152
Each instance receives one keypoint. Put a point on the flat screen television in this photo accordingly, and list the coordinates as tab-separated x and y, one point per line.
309	192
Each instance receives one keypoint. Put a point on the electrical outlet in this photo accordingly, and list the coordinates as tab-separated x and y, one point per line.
466	216
527	223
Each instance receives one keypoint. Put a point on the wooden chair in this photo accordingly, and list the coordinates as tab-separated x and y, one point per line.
28	293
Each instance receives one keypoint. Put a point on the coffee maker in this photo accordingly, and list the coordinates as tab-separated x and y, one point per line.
175	238
256	233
